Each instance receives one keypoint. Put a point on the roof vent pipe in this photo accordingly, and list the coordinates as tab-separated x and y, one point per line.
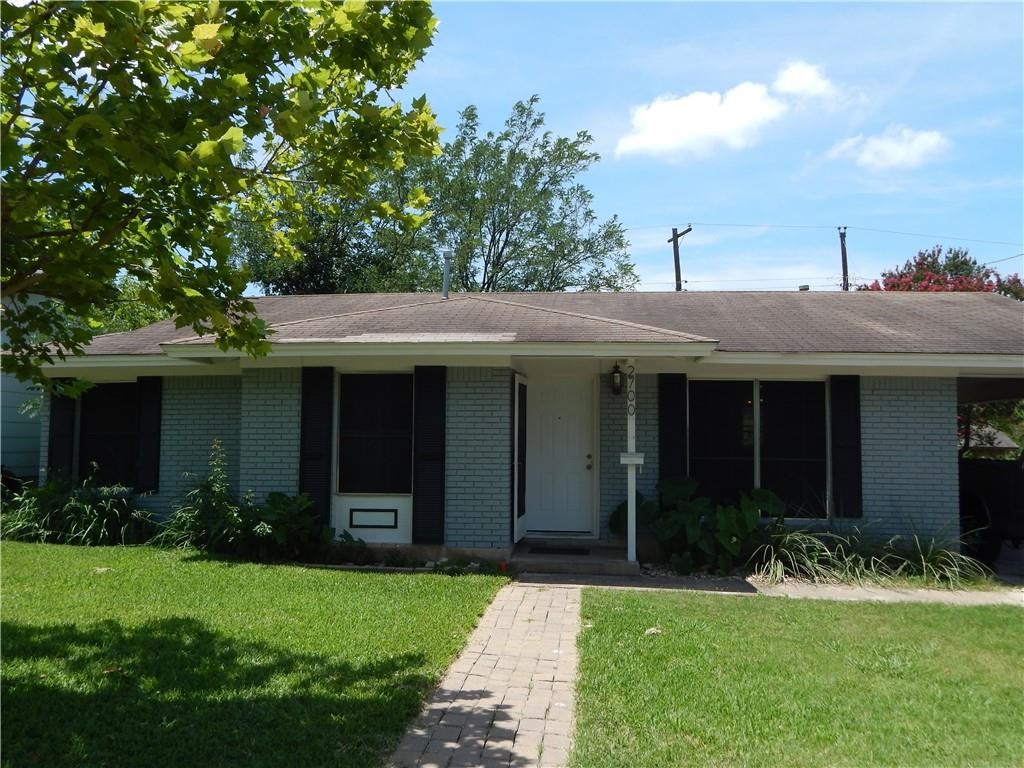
447	254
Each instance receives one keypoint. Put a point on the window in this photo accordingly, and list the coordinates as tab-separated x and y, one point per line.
788	455
108	437
792	455
375	434
722	438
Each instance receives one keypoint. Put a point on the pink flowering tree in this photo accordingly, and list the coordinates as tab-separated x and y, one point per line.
950	270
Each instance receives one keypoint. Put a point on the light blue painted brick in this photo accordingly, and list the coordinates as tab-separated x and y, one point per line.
195	411
270	431
478	458
909	457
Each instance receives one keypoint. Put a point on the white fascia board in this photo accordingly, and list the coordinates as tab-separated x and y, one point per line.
688	349
72	363
1011	365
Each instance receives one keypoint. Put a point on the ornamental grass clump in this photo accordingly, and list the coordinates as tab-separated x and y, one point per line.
823	557
61	512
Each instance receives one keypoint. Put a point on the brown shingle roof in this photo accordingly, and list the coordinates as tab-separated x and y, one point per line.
870	322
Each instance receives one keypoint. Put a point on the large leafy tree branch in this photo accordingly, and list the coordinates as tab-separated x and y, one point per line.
122	132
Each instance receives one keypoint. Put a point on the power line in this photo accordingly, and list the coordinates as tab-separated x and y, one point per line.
824	226
997	261
937	237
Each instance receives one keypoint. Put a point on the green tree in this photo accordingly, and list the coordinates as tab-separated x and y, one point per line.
346	250
128	311
508	204
122	127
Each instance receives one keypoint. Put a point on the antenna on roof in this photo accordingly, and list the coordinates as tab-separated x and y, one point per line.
676	237
447	255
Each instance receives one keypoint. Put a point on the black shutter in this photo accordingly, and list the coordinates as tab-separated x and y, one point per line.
61	457
150	393
671	426
844	393
428	455
315	430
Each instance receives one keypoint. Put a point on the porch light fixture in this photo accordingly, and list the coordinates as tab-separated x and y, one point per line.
616	380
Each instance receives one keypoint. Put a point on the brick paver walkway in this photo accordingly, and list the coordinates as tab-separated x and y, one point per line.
509	699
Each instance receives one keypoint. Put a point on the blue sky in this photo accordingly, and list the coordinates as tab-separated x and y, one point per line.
874	116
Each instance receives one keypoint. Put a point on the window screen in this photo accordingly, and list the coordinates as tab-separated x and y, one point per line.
722	438
375	434
108	438
793	449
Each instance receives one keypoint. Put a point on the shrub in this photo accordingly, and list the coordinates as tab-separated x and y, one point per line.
63	513
283	528
346	549
646	513
698	534
832	558
213	520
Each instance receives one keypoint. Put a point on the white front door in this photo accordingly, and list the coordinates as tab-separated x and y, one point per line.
560	454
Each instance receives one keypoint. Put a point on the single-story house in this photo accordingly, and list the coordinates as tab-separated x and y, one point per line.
476	420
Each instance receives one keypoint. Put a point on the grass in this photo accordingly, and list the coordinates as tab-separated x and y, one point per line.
768	681
141	657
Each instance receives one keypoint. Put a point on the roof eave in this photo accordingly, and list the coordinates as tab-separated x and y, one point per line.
283	349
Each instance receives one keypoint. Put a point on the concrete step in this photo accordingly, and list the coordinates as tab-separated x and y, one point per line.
583	564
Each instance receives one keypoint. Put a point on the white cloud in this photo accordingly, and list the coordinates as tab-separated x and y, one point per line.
700	121
897	147
802	79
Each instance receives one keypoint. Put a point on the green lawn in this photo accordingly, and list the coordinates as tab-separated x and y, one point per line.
143	657
777	682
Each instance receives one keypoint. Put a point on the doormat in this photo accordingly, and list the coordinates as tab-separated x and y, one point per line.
543	550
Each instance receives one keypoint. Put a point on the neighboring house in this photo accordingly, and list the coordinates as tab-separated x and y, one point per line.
19	428
987	442
476	420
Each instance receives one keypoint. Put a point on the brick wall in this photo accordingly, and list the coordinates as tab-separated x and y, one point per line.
909	454
270	431
195	411
613	442
478	457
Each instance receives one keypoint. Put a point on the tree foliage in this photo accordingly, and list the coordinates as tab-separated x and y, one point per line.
122	130
509	204
953	270
345	250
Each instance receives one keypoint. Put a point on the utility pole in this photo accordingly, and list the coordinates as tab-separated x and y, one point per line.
676	237
842	247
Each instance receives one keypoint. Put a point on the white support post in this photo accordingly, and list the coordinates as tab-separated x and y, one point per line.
631	463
